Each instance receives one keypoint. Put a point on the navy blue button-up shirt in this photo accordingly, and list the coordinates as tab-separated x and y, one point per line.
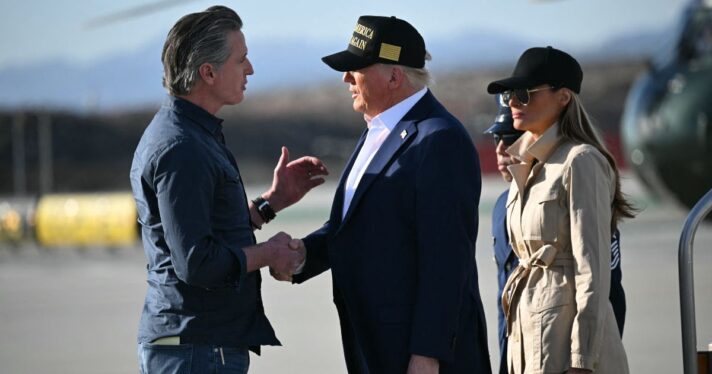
195	220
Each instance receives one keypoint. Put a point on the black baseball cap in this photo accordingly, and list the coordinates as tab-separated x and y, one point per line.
385	40
503	121
538	66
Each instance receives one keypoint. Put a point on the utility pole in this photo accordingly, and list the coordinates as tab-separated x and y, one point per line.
44	134
19	175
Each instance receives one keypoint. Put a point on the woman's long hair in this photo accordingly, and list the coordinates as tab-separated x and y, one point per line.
575	125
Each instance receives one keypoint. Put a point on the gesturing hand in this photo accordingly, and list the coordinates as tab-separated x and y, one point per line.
292	180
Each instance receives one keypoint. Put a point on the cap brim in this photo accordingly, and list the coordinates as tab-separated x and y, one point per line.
501	128
497	127
345	61
511	83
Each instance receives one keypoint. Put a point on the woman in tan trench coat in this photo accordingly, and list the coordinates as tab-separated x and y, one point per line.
563	202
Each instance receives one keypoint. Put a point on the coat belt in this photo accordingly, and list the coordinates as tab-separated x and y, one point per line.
544	257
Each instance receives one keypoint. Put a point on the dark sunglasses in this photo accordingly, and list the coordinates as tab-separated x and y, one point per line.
523	95
507	139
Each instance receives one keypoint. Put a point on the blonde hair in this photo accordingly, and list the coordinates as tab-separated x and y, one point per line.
575	125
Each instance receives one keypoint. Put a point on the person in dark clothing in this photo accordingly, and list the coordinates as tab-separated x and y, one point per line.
203	309
400	239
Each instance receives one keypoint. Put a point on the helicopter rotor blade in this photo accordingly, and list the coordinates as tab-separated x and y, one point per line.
131	13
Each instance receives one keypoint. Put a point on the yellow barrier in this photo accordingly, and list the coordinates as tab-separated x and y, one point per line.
11	224
86	220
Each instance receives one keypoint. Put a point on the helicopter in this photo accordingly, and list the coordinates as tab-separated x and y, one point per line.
666	125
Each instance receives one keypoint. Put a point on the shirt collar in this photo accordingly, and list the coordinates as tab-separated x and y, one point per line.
197	114
527	149
391	116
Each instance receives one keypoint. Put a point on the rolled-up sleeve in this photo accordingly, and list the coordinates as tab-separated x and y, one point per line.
185	182
590	191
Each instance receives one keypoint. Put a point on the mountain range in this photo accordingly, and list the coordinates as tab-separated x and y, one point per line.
133	78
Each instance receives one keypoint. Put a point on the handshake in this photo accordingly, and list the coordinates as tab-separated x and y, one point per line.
287	256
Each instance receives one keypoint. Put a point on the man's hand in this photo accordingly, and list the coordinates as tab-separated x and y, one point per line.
423	365
287	254
298	246
292	180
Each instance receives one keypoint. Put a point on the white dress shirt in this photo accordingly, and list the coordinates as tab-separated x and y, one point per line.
379	128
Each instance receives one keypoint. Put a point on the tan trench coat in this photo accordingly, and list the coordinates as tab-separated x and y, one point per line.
558	217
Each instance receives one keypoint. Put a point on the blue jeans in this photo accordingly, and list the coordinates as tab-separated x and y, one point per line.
192	359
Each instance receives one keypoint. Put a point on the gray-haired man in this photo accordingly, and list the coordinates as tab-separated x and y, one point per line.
203	308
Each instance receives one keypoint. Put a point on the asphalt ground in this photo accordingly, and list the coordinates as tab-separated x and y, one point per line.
69	310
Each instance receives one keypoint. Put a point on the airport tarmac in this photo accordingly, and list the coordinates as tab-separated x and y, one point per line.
76	311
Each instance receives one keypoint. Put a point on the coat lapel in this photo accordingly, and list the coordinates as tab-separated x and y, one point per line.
401	135
338	205
520	173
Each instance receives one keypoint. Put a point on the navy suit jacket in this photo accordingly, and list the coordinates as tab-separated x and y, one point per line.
403	258
506	262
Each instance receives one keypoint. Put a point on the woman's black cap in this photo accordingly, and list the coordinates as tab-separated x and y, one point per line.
385	40
538	66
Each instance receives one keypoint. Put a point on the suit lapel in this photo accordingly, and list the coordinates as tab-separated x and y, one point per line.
401	135
338	205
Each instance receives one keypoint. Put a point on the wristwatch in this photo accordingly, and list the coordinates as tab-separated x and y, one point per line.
264	209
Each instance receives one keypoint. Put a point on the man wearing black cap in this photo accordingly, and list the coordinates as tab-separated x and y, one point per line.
400	240
504	135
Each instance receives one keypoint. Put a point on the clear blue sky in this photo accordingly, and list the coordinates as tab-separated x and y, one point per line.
39	30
